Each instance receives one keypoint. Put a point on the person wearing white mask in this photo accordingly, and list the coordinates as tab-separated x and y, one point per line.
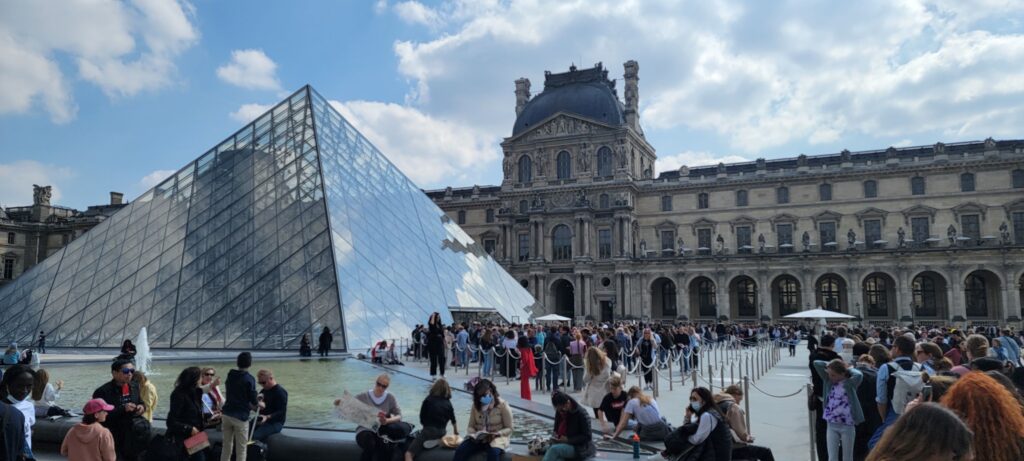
15	389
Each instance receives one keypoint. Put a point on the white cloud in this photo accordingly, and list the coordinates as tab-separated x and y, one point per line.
248	112
428	150
754	75
693	159
251	69
156	177
17	178
102	39
414	12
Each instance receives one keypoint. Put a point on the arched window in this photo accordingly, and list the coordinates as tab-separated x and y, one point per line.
788	294
706	303
561	243
462	217
746	305
876	296
668	299
524	207
825	192
702	200
925	298
525	169
976	296
870	189
604	162
782	195
741	198
967	182
1018	179
564	165
603	201
830	291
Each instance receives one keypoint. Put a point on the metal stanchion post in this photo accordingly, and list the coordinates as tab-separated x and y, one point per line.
508	366
732	373
693	377
657	377
721	375
746	400
670	373
810	424
480	364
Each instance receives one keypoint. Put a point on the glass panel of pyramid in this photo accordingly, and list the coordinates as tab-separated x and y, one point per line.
294	223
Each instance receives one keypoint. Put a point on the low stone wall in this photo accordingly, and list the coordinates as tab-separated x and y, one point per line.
289	445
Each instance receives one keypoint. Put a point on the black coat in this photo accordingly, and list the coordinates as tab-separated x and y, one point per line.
186	412
118	420
577	430
435	337
13	431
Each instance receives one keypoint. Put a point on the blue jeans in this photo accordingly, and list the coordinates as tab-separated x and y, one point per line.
559	452
470	447
890	418
266	430
552	376
462	355
488	362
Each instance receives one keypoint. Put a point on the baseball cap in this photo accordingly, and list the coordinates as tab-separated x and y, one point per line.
95	405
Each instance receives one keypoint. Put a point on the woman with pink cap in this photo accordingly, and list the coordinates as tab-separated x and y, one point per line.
89	440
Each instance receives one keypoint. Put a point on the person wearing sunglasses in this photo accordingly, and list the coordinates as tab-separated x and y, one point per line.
274	406
123	394
389	416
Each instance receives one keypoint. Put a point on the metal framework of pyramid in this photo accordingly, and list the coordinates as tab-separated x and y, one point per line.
294	223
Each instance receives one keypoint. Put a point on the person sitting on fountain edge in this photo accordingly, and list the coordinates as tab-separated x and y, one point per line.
275	406
123	393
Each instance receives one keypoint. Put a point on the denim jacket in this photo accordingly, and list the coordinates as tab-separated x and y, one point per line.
850	385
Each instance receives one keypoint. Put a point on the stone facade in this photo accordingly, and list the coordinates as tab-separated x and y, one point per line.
28	234
929	233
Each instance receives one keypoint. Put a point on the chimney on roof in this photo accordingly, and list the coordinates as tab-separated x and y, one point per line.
116	198
522	94
632	94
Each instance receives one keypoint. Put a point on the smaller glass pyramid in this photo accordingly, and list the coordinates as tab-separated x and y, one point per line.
294	223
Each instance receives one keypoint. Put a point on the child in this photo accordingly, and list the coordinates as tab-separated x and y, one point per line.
842	407
89	440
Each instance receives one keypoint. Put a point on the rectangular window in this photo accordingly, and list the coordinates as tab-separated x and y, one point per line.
825	192
1018	227
668	239
782	195
971	228
827	236
666	203
490	215
870	189
967	182
919	230
462	217
741	198
604	243
704	241
11	238
489	245
743	240
873	233
702	201
524	246
8	269
917	185
784	233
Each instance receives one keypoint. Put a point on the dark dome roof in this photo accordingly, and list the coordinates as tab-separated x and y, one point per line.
587	93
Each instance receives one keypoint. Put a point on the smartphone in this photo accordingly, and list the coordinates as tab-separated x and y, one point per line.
926	393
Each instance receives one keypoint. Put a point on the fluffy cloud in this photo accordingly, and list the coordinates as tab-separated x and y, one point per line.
694	158
746	76
414	12
428	150
249	112
17	178
121	47
250	69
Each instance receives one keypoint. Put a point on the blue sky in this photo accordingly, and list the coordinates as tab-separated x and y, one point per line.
102	96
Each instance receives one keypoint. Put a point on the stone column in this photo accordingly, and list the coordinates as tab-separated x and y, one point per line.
956	294
903	297
682	300
577	299
722	297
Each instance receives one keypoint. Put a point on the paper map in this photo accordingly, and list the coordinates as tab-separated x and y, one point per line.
351	409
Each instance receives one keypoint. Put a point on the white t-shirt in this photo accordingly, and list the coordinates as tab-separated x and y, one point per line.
27	407
644	414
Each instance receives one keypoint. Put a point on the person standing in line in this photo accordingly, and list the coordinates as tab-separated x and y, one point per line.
240	401
527	367
185	416
275	406
462	346
89	440
324	346
576	350
842	411
822	352
645	349
435	344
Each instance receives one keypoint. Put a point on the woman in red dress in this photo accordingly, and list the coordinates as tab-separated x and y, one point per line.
527	369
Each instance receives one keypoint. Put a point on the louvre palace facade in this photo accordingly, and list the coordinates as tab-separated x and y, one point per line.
581	219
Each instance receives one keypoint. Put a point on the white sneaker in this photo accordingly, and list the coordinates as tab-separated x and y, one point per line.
656	457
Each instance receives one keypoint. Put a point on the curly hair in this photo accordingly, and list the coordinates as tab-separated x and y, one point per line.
992	414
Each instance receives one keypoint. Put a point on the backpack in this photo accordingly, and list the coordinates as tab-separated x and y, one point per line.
905	385
139	437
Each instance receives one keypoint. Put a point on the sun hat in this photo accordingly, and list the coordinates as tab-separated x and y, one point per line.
96	405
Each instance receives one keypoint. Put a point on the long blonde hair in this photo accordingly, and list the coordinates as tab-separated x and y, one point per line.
636	393
595	360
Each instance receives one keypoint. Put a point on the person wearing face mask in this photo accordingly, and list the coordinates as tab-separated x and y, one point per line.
573	439
706	431
124	395
842	410
490	425
89	440
15	388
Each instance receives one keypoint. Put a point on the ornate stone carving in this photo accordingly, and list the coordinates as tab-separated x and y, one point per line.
41	195
720	244
583	158
621	154
805	240
851	237
507	166
1004	233
542	162
901	238
562	126
951	234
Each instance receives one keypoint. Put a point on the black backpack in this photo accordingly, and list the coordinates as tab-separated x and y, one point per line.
139	437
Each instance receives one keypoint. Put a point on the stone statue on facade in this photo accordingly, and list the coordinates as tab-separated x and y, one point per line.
805	240
41	195
680	248
623	161
537	203
643	248
720	244
901	238
851	238
760	243
581	199
951	235
583	158
507	166
1004	233
542	163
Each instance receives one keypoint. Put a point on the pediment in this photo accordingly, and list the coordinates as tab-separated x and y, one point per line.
826	216
488	235
1016	205
563	124
918	210
702	223
666	225
742	221
871	213
969	208
784	218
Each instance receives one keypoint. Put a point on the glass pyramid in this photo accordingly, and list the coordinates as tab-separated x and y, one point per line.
294	223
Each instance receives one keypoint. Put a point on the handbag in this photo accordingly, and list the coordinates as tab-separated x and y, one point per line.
197	443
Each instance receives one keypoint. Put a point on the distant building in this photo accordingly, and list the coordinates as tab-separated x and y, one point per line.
28	234
582	220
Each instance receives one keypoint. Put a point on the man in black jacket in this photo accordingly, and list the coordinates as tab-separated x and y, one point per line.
275	406
573	439
823	352
123	393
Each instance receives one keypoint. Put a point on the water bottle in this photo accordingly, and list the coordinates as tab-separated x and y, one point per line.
636	446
